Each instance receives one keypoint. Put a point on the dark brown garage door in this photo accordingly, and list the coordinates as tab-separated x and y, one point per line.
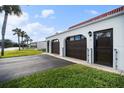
55	46
76	47
103	47
48	46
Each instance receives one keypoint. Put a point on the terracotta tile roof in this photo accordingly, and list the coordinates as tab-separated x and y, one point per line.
100	16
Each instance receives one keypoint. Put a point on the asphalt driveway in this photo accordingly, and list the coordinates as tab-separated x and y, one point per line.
11	68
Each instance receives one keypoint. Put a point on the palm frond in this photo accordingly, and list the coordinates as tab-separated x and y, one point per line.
16	10
17	31
11	9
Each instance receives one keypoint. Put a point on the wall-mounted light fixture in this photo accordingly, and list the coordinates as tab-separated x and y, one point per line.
90	33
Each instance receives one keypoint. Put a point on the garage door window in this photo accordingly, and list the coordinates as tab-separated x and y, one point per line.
56	40
71	38
78	37
83	37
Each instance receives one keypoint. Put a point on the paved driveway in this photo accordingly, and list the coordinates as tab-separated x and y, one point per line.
11	68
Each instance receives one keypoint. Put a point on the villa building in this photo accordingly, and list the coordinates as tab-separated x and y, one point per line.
41	45
99	40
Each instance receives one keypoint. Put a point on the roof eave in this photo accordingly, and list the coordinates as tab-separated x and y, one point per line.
95	21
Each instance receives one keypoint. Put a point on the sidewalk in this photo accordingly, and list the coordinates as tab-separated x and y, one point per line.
78	61
11	48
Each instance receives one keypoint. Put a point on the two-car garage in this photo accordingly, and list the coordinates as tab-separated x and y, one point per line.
76	46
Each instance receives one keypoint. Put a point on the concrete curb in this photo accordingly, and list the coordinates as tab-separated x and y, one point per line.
96	66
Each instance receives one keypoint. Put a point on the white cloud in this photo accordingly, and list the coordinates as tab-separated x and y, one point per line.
12	23
15	20
94	12
39	31
35	30
47	12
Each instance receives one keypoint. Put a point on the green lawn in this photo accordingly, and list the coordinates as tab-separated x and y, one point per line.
15	53
76	75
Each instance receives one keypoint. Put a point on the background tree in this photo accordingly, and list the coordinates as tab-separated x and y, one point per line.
30	40
17	32
15	44
24	42
27	38
23	33
8	10
9	43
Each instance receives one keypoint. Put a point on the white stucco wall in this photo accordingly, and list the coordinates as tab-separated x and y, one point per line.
41	45
117	23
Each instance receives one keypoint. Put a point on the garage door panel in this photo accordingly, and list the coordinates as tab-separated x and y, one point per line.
103	47
76	48
55	46
103	55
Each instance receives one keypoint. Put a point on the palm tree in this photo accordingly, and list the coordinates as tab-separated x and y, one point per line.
8	10
24	42
30	41
23	33
17	32
27	38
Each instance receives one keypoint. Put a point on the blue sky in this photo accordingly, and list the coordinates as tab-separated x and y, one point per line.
42	21
66	16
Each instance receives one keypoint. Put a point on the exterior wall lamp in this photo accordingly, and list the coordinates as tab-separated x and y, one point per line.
90	33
